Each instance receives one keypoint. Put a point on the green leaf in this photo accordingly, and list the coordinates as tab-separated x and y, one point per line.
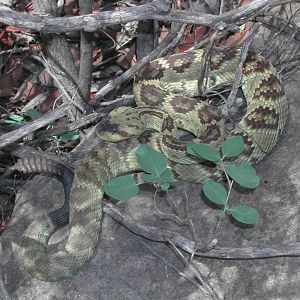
221	213
32	113
215	192
151	161
245	214
121	188
11	122
165	186
16	118
244	175
233	146
205	151
69	136
166	176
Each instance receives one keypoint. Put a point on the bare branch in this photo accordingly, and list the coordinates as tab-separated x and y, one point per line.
51	70
239	72
166	262
90	118
157	10
15	135
86	53
280	25
196	272
205	64
160	235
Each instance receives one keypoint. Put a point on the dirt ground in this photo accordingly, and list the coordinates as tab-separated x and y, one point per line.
125	269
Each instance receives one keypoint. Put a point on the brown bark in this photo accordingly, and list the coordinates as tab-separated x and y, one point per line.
86	53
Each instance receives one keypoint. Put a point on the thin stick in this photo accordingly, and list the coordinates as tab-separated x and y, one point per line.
160	235
173	267
15	50
205	63
15	135
61	87
207	288
239	72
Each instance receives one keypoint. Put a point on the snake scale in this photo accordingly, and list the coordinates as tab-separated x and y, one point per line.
165	93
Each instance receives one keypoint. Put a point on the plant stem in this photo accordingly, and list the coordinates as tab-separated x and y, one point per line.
230	183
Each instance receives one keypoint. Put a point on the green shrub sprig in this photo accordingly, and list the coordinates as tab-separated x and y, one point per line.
157	172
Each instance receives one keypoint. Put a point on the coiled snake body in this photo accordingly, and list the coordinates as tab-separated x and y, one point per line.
163	88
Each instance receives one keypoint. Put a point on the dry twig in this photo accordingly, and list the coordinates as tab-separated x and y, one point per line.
159	235
196	272
156	10
15	135
203	288
239	72
53	74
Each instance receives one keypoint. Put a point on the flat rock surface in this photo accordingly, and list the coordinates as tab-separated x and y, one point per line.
124	268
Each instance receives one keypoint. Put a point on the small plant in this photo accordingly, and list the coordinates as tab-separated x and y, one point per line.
154	164
15	119
156	167
243	174
156	172
68	136
31	115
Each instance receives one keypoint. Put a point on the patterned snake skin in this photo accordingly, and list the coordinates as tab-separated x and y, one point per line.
167	85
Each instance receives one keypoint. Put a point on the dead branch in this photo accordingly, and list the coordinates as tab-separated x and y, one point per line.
157	10
86	53
57	76
202	285
205	63
239	72
160	235
281	25
15	135
195	271
90	118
